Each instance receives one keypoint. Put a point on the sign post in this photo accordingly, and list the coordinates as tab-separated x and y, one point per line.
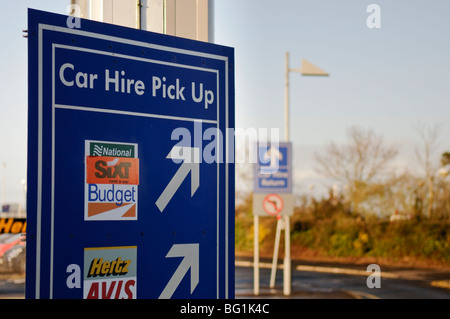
130	167
272	196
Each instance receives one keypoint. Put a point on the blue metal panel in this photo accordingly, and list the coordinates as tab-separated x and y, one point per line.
117	88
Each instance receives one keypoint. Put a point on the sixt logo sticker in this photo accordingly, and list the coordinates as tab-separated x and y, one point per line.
110	272
112	170
111	186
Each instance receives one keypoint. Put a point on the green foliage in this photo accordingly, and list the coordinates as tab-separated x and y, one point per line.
445	159
337	233
327	226
244	228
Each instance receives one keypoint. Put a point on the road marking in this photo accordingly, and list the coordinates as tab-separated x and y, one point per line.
335	270
441	283
346	271
18	281
243	263
361	295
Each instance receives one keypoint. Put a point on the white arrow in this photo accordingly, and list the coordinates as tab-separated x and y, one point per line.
275	157
190	252
190	163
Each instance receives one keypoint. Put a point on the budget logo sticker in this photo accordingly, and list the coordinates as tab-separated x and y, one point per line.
111	181
110	272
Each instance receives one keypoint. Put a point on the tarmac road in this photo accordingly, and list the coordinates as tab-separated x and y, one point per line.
12	286
332	282
313	281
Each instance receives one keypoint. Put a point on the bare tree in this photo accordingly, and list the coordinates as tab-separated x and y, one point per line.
424	155
359	165
243	171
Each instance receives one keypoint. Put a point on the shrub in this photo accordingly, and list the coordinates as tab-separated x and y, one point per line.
326	227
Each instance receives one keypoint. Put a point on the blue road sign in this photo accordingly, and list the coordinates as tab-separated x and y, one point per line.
273	170
130	184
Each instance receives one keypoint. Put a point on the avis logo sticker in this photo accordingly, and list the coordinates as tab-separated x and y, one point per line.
111	181
110	273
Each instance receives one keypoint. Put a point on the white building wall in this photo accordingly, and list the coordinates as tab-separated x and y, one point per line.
183	18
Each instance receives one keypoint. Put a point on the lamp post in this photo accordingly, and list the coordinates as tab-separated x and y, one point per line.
286	97
306	68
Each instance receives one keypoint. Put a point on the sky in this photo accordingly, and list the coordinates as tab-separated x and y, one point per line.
387	79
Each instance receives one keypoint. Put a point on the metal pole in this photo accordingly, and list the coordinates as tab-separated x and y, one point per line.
211	21
138	15
287	258
286	97
256	255
275	253
287	237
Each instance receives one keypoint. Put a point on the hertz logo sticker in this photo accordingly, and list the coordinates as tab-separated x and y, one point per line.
100	267
111	189
110	272
13	225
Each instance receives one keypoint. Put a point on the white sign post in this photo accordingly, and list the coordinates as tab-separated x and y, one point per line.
282	224
273	197
256	255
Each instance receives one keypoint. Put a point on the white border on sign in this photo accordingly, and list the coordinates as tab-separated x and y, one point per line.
41	28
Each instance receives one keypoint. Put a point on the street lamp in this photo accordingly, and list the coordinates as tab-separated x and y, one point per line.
306	68
310	69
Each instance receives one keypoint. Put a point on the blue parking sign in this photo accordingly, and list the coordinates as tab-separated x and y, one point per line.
273	170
